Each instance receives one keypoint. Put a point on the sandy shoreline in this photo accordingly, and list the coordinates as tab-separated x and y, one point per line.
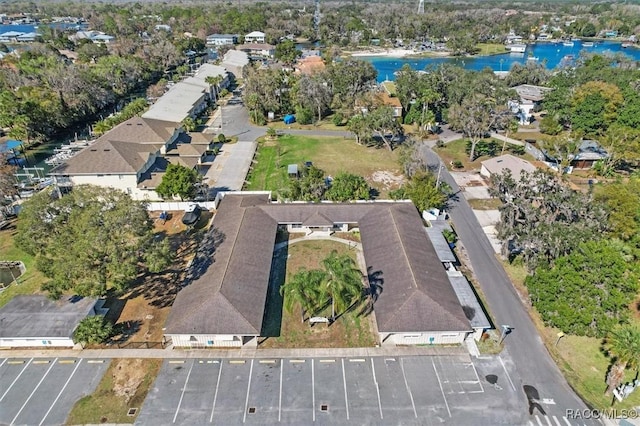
395	53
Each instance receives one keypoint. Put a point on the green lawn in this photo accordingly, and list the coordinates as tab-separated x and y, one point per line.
31	281
332	154
491	49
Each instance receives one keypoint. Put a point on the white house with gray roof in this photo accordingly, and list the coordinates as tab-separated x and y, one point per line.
133	156
37	321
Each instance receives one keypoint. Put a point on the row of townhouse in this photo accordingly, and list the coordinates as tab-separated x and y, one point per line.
134	155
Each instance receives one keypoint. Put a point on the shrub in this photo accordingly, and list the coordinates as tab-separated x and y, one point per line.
338	119
304	115
222	138
93	330
457	164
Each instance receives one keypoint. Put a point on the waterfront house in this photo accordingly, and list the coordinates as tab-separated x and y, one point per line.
255	37
222	39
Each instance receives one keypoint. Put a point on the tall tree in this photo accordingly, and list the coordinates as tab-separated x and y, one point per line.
87	241
305	290
178	180
474	117
622	344
541	218
343	283
314	92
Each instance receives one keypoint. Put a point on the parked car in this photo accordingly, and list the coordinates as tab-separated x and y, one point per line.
191	214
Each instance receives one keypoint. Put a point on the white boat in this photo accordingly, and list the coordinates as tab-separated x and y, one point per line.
625	45
587	44
567	43
532	58
516	47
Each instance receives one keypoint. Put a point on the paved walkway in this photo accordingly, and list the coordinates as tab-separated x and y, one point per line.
170	353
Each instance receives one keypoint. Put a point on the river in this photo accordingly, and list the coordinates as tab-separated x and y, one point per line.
551	54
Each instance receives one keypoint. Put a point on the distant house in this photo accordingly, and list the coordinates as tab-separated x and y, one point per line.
589	152
17	36
163	27
97	37
235	62
222	39
255	37
611	33
529	92
37	321
257	49
225	305
392	102
498	165
309	65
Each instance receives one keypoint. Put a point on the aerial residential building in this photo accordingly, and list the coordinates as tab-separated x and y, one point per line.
255	37
222	39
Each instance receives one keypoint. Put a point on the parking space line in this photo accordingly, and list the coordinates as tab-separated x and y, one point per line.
280	397
215	395
507	373
375	381
3	361
15	380
184	388
34	391
246	401
404	376
477	377
440	383
344	380
313	391
60	393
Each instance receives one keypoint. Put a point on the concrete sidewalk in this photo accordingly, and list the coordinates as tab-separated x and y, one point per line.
170	353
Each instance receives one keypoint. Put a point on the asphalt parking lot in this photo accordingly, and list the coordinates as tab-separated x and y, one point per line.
418	390
43	391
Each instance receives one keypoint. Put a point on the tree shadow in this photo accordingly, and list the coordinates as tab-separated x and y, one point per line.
272	320
376	287
123	331
533	398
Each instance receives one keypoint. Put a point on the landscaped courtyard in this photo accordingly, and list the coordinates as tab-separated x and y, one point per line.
378	166
286	330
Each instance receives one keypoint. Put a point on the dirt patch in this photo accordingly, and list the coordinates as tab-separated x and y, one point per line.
388	180
140	315
127	376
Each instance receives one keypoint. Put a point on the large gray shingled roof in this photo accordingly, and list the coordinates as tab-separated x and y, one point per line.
229	297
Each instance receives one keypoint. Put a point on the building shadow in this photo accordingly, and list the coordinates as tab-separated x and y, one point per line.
272	321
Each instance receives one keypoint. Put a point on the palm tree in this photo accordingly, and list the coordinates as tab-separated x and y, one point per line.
343	282
304	290
214	83
623	346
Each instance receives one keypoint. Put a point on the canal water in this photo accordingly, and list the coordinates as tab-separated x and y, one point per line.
552	55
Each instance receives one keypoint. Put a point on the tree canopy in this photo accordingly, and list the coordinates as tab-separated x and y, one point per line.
586	292
347	187
88	241
541	218
178	180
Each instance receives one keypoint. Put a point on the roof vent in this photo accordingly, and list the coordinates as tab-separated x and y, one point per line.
93	149
107	149
139	124
129	124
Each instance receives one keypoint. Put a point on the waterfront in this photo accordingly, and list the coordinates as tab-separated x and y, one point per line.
551	54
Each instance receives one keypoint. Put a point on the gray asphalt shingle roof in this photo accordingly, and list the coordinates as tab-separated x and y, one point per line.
29	316
229	296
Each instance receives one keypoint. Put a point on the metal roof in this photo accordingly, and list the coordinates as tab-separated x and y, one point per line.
440	244
468	299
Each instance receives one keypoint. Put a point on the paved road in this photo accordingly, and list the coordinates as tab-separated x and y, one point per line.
539	377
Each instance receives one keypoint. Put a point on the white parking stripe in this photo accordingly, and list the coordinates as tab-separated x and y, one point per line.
538	420
507	373
215	395
15	380
313	391
477	377
60	393
246	401
415	413
3	361
344	380
555	419
34	390
441	389
567	421
280	398
184	388
375	380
